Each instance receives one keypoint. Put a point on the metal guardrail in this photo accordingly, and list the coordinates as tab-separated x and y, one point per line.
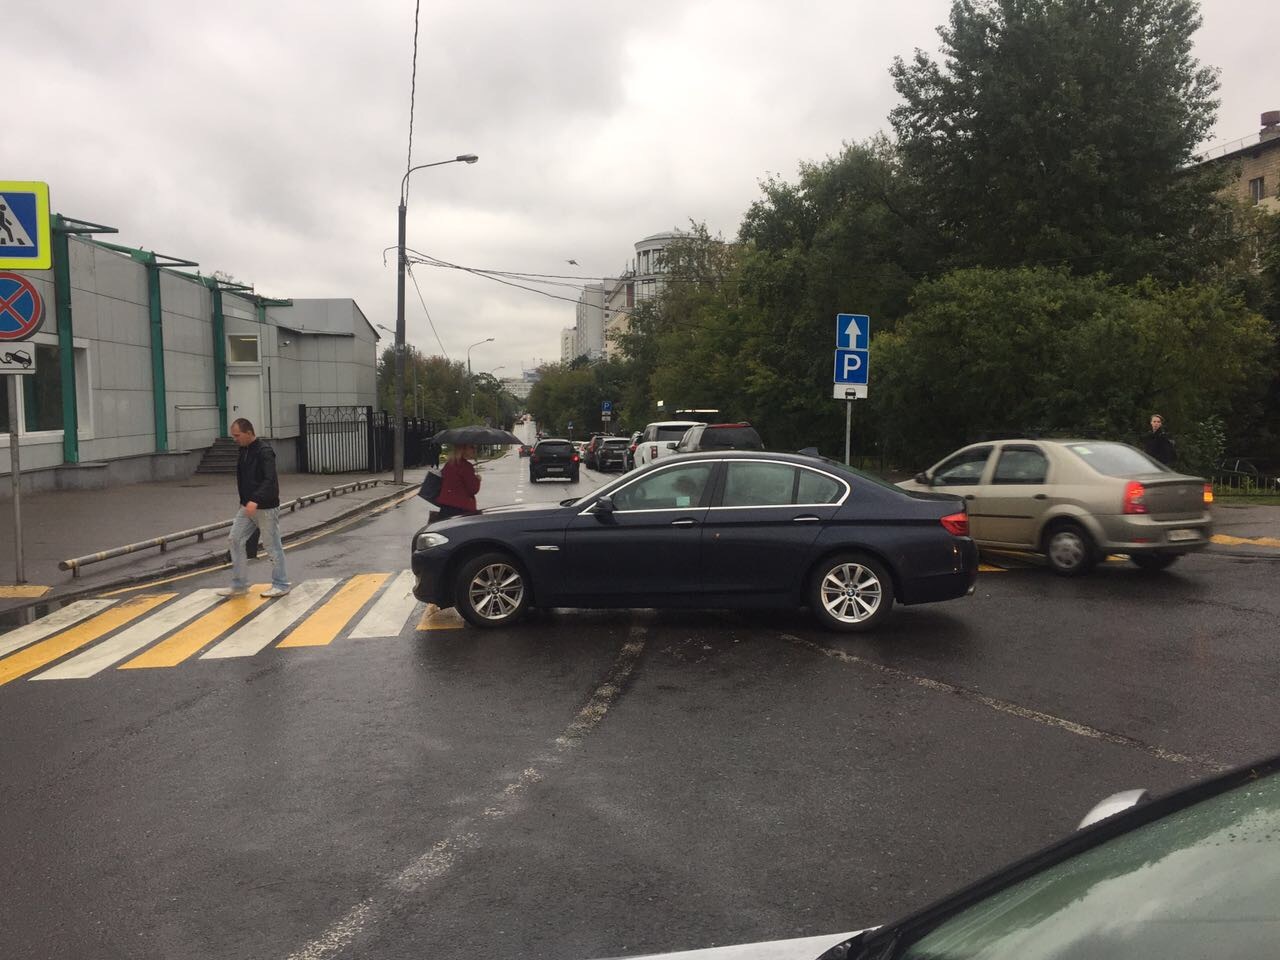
199	533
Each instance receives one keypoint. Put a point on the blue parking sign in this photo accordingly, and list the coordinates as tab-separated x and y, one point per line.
851	366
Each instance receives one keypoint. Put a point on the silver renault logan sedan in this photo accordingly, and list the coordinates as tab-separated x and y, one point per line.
1075	501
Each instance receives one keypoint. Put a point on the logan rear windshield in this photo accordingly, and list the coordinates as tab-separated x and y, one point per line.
1116	459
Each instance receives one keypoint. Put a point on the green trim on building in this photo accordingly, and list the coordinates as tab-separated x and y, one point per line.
66	345
159	393
219	358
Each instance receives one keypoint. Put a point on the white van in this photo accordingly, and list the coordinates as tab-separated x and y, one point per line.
660	439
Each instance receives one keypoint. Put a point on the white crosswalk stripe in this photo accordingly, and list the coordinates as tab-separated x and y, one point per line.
58	620
271	622
392	610
133	639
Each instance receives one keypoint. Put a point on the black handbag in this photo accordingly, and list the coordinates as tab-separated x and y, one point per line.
431	485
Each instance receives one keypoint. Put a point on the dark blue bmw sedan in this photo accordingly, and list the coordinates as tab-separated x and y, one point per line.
731	529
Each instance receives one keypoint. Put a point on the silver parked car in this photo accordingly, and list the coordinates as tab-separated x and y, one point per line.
1075	501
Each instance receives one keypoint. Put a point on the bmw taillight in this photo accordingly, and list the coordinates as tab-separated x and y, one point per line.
957	524
1135	496
1208	493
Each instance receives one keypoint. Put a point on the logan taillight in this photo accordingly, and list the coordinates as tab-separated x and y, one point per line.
1208	493
957	524
1135	497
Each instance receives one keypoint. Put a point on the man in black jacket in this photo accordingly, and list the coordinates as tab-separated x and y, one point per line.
259	509
1158	443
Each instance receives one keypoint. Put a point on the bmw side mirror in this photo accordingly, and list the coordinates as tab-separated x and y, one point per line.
602	507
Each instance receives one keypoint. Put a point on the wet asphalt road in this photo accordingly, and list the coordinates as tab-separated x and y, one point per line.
601	783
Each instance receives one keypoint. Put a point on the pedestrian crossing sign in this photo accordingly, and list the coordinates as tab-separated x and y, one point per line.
24	225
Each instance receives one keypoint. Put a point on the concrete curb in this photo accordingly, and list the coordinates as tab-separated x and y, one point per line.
204	560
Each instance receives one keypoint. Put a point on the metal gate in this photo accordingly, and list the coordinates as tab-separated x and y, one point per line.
359	440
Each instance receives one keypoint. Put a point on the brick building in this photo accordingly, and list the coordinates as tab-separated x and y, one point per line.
1256	164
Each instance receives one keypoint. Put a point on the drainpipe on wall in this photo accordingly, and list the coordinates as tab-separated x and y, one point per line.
62	228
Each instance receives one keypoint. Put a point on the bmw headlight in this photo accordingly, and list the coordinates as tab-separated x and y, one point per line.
427	539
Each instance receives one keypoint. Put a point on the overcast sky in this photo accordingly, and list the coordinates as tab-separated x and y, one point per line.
268	140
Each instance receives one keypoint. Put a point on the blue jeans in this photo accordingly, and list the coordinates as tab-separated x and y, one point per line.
268	523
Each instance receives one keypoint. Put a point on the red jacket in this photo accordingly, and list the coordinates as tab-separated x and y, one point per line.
459	485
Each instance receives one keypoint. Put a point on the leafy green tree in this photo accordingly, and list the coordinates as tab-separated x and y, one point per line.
1035	349
1061	131
432	385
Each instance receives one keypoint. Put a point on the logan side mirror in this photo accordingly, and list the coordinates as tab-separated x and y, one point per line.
924	479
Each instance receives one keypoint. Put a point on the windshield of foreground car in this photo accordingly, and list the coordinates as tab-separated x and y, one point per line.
1116	459
1201	882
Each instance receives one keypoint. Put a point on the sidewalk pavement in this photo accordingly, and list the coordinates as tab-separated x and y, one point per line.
62	525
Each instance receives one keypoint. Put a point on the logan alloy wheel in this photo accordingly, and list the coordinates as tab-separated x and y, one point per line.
851	592
491	591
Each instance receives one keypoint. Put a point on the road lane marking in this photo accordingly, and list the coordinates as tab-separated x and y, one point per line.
1228	540
188	640
467	832
434	618
71	614
22	591
147	631
392	611
320	629
255	635
47	651
988	568
1004	706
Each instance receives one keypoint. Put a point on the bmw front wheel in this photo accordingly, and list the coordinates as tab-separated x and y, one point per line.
492	591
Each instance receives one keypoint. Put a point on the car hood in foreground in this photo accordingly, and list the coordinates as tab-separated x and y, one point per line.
804	948
504	514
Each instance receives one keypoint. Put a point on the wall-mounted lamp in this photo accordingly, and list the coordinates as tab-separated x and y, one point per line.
284	343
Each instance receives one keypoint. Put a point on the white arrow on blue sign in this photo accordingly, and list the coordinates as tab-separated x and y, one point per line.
853	331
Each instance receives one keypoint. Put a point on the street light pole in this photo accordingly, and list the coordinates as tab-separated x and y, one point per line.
471	388
398	456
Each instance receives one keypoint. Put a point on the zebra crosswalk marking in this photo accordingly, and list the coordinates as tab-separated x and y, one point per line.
436	619
255	635
391	612
58	620
171	652
47	651
103	655
326	623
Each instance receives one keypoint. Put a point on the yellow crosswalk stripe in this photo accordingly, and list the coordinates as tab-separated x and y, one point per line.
191	638
22	591
326	623
59	645
988	568
437	619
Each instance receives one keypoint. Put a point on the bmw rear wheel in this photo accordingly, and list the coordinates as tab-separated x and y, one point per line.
851	592
492	591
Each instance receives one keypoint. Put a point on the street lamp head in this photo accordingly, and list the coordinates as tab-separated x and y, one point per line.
466	158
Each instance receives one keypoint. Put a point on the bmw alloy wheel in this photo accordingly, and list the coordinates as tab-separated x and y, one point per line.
851	593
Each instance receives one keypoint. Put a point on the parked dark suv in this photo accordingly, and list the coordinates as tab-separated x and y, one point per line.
720	436
554	458
611	454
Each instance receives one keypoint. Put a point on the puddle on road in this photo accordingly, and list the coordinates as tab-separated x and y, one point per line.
12	619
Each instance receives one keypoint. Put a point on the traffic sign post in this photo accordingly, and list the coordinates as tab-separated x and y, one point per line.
852	366
21	313
25	242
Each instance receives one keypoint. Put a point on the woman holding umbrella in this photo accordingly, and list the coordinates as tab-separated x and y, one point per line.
459	483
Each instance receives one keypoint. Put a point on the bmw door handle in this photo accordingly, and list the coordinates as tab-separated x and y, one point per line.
686	522
807	518
1041	496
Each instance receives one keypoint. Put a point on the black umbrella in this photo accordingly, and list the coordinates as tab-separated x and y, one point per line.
477	436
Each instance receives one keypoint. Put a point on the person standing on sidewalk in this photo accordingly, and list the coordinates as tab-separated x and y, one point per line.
1158	443
259	489
459	484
